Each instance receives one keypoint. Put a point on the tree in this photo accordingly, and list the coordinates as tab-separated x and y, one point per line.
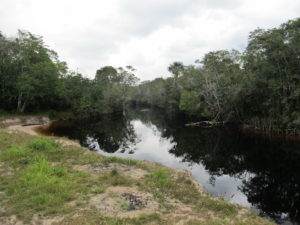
272	62
127	79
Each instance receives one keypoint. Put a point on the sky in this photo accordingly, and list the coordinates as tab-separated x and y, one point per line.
147	34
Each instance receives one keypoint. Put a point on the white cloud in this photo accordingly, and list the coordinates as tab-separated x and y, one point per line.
148	34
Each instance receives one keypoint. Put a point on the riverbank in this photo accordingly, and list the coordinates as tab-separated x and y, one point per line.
46	181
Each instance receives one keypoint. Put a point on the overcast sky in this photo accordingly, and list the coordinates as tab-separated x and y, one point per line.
147	34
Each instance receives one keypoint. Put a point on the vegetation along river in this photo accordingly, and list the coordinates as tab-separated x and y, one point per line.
253	171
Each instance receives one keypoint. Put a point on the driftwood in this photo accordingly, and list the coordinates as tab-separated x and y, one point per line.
31	124
205	124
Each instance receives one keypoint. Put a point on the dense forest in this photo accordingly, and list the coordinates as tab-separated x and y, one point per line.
259	86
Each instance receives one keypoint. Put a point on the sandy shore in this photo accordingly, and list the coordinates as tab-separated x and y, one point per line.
31	125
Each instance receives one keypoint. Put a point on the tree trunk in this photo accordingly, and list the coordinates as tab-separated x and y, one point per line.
23	106
19	102
123	105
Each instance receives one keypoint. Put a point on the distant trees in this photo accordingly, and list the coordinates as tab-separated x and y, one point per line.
32	79
260	87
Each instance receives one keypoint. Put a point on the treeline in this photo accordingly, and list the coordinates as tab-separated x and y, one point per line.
33	79
259	87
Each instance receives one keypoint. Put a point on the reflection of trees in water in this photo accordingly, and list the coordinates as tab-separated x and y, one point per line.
275	186
111	133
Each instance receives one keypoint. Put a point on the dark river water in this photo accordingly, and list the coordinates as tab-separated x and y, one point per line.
253	171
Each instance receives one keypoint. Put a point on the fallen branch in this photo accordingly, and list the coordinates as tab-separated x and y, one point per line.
31	124
205	124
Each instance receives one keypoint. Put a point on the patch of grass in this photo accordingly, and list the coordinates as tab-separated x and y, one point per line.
123	205
161	183
36	150
159	178
99	190
114	172
112	159
20	156
40	187
8	140
115	178
43	144
95	218
228	221
91	158
44	188
217	205
95	158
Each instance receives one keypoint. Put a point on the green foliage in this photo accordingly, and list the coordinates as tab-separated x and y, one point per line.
189	101
32	78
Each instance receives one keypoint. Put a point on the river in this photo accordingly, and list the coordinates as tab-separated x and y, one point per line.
257	172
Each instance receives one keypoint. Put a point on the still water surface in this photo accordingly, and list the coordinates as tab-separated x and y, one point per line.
256	172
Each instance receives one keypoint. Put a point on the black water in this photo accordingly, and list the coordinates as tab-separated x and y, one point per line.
253	171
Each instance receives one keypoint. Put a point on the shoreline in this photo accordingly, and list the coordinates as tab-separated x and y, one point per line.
91	168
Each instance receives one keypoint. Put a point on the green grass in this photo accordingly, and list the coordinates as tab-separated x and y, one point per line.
12	140
161	184
115	178
159	178
20	156
44	188
217	205
99	190
95	218
44	144
36	150
123	205
114	172
40	187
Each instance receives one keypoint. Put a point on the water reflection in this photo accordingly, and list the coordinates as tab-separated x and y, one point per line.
255	172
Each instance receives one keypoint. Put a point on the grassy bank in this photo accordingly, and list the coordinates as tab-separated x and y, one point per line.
45	181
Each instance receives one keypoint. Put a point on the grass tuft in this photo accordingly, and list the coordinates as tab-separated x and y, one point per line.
115	178
159	178
114	172
43	144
